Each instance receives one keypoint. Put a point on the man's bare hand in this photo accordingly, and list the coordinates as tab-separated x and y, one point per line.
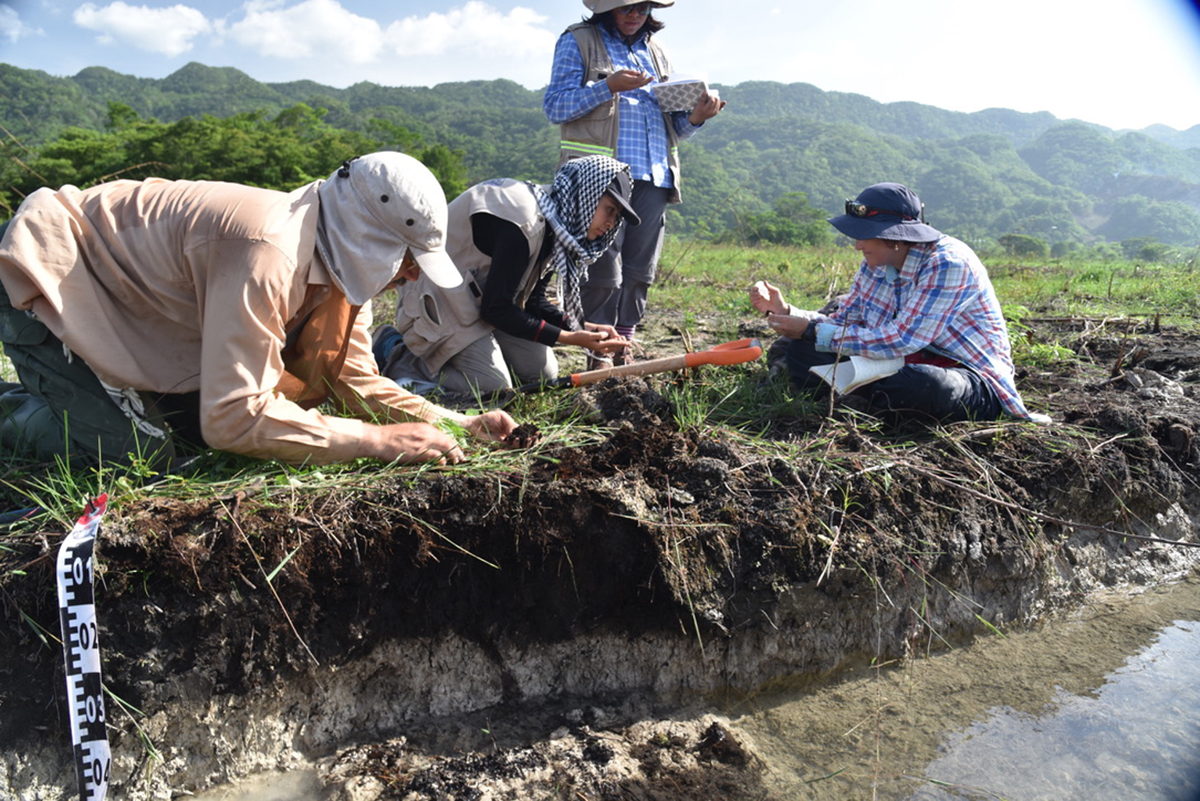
597	338
767	299
708	106
409	443
787	325
493	426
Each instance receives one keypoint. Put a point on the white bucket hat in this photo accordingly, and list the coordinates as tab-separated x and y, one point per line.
374	209
600	6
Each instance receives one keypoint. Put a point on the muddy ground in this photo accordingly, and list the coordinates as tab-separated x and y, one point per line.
522	633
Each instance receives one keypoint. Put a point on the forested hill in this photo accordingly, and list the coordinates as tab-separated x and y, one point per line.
982	175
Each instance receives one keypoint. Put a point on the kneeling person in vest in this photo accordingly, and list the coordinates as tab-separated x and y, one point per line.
509	239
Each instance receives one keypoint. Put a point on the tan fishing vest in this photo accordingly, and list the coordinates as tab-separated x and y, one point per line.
438	323
596	132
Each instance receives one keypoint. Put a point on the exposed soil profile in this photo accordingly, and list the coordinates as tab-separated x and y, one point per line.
578	596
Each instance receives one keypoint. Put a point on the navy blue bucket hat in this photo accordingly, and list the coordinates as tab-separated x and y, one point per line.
886	211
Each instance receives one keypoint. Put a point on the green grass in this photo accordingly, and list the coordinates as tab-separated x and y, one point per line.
695	275
1102	289
715	278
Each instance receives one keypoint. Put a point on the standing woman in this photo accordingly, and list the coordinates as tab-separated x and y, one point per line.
509	238
600	95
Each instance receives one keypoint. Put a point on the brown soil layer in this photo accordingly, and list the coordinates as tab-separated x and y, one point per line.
660	564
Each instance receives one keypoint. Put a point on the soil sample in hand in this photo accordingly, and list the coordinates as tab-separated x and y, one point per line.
525	435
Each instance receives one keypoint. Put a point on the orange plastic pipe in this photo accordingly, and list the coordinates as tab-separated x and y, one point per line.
736	352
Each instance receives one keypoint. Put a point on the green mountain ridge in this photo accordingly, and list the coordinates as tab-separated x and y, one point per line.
982	175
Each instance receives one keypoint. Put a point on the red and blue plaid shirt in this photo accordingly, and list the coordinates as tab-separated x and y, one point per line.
940	301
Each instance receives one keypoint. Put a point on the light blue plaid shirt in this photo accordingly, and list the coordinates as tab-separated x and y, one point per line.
642	137
940	299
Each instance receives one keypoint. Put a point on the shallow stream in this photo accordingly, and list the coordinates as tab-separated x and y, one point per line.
1099	704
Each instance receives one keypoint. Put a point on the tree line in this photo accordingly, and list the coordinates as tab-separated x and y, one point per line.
778	161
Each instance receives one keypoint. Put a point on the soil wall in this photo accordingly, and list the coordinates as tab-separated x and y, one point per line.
658	565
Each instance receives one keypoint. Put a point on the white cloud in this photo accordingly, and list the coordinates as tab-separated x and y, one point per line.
473	29
336	46
12	28
168	31
316	29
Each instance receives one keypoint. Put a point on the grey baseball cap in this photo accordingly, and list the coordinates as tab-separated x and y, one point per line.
621	190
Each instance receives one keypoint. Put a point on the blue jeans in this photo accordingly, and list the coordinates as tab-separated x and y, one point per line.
944	394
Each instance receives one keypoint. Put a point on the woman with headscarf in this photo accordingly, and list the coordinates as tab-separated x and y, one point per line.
602	95
509	238
920	298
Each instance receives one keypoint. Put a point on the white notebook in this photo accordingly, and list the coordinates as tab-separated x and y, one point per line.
681	94
850	374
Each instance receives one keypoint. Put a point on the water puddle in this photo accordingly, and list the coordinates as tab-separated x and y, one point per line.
1136	737
1099	704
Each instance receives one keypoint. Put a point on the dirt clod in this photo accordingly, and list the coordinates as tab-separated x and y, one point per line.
525	435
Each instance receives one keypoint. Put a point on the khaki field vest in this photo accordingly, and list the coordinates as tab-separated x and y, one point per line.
438	323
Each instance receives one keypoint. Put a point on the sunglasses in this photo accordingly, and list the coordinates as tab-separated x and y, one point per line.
856	209
640	10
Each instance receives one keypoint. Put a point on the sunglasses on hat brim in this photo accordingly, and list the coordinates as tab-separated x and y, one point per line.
862	210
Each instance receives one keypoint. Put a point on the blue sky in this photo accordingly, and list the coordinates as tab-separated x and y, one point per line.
1119	63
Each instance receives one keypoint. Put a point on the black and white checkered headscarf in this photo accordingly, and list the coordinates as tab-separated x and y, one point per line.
569	205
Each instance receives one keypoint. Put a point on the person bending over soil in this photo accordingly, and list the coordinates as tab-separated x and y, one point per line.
146	315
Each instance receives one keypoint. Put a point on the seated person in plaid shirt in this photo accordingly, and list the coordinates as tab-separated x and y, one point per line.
918	294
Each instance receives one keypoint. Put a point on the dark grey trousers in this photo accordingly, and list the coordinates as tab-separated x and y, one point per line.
918	391
619	281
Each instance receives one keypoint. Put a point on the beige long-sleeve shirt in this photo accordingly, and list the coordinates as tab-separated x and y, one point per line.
176	286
